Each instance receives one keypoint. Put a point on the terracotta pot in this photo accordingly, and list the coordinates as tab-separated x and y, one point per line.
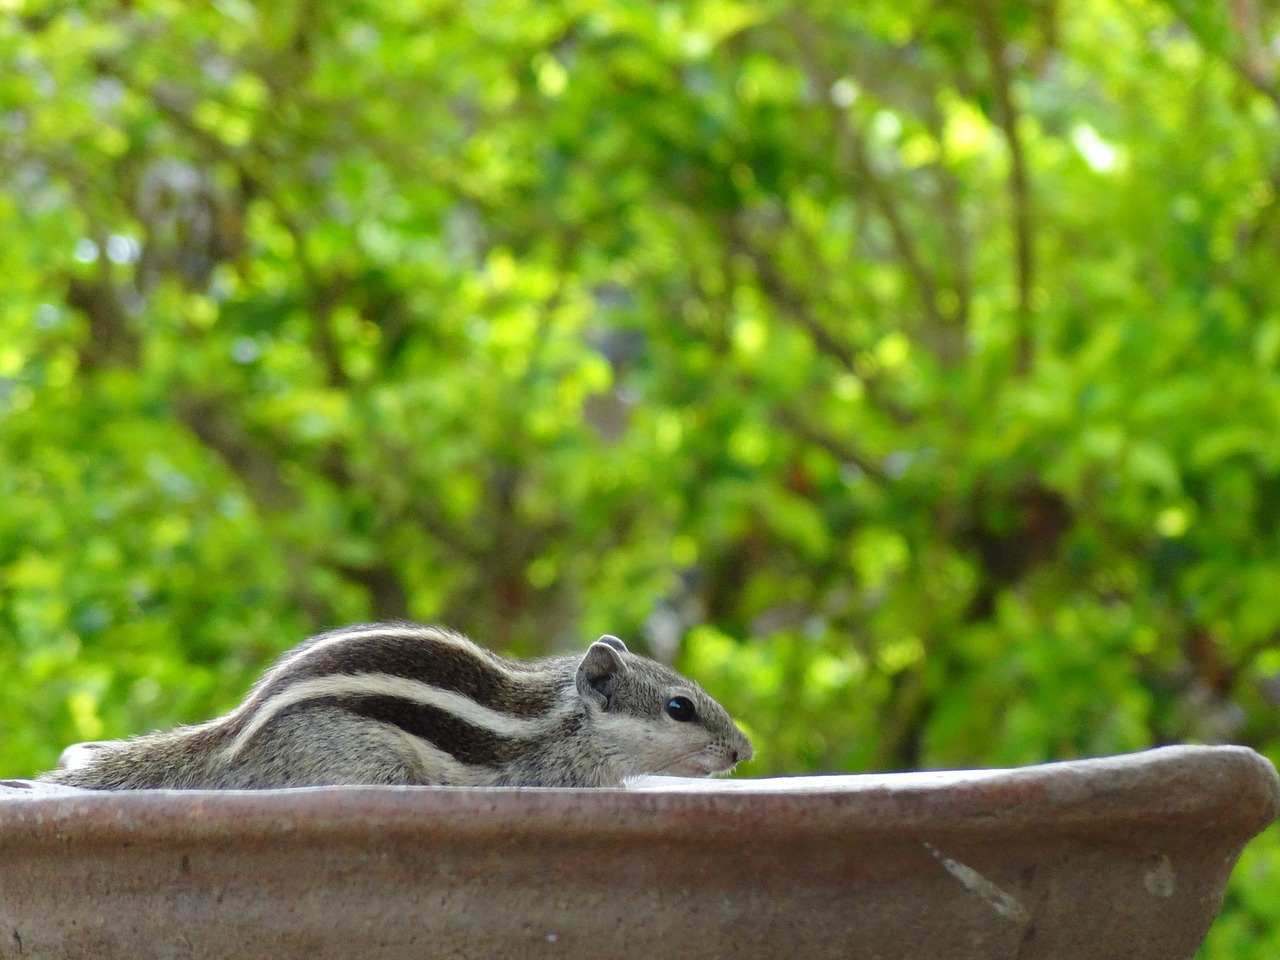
1124	857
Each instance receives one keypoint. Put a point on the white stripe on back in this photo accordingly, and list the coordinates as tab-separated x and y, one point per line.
382	684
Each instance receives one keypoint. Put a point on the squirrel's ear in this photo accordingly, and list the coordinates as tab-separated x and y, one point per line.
613	641
598	672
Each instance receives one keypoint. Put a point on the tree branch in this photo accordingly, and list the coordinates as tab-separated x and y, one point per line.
796	310
258	469
791	420
111	341
956	238
388	598
854	157
1019	191
1258	65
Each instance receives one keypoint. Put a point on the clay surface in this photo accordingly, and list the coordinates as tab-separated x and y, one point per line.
1123	857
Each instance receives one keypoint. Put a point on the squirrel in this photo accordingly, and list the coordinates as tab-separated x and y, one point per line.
401	703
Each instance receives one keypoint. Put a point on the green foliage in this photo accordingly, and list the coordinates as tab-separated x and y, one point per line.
908	372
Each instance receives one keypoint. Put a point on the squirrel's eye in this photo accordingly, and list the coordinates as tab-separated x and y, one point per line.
681	709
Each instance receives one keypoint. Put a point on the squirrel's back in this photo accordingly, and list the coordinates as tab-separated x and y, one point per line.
401	703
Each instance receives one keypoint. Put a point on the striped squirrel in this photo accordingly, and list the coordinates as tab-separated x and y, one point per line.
399	703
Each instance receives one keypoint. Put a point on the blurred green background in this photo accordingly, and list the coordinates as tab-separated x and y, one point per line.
907	372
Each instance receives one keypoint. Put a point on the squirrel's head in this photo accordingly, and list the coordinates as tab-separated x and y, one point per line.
648	719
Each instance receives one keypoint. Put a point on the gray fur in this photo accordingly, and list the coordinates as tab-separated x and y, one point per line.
408	704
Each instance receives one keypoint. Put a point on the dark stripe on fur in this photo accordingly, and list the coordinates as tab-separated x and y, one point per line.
445	731
429	660
468	744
